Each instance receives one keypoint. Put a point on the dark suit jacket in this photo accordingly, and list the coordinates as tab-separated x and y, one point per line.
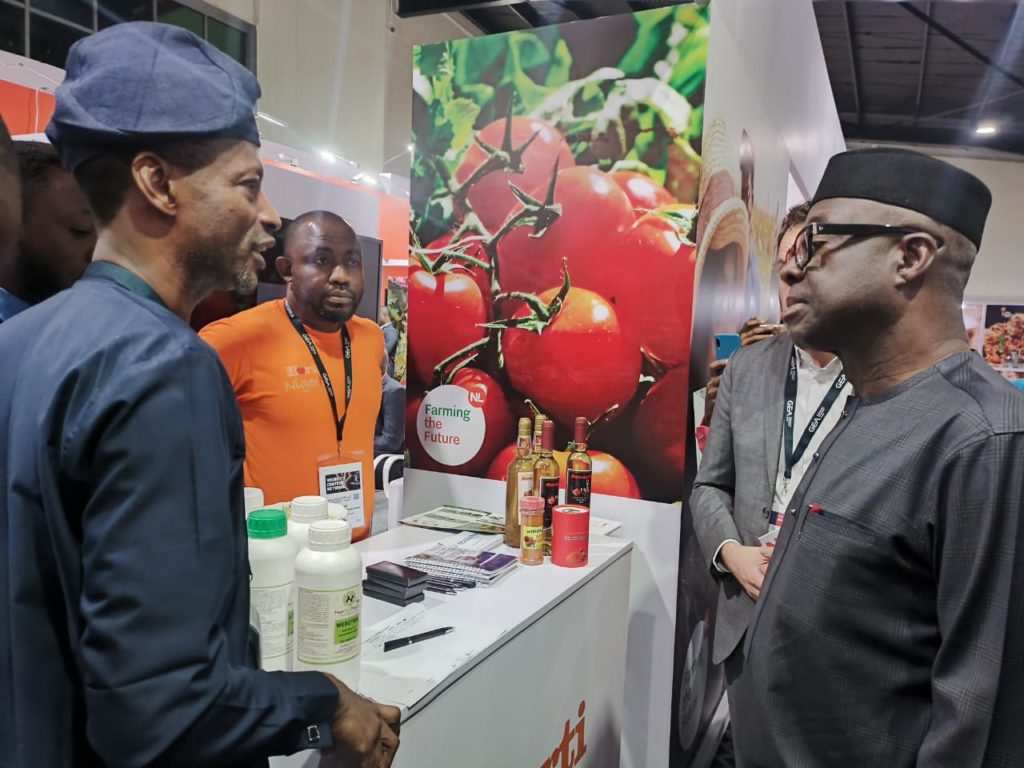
390	345
390	435
736	478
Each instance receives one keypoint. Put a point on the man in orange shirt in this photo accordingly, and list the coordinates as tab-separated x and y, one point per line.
309	415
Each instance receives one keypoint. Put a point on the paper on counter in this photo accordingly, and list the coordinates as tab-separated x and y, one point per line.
402	677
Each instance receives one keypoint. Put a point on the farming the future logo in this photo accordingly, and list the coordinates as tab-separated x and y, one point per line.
569	753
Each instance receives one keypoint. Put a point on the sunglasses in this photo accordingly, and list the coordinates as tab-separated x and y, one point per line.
802	250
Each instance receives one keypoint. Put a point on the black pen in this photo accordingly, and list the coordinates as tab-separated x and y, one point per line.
401	642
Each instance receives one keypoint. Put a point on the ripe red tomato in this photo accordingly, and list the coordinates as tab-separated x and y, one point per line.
659	435
594	213
655	298
611	477
491	197
581	364
480	276
445	313
497	419
644	193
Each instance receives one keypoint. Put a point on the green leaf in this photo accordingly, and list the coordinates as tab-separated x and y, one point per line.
461	115
690	68
650	43
696	126
427	58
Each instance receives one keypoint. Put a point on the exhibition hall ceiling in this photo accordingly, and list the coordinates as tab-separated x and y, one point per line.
939	72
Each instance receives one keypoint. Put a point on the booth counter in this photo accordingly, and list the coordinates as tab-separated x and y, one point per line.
533	673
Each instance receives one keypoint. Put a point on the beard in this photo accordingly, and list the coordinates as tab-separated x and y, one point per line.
219	264
337	314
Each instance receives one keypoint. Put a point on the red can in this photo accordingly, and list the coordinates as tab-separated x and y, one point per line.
570	536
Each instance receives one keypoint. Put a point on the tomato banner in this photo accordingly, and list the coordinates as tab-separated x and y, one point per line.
554	185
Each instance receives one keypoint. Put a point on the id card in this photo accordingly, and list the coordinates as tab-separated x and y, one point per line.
771	536
341	482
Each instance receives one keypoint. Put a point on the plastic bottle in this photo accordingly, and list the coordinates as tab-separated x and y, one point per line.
272	587
305	511
329	574
253	499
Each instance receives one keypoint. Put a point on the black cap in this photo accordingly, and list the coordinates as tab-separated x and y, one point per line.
142	82
911	180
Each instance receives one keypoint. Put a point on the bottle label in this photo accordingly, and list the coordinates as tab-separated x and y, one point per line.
525	480
329	625
275	606
548	490
577	486
533	538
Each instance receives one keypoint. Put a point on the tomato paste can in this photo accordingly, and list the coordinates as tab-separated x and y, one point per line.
570	536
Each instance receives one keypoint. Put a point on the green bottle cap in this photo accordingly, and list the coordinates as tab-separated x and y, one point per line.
267	524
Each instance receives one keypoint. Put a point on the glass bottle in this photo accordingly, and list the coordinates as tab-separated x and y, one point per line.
538	432
546	474
518	483
532	551
579	467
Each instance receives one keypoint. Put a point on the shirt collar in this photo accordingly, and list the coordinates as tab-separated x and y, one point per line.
10	305
805	361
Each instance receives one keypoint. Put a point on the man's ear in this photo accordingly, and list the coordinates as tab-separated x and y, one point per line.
284	268
152	175
917	255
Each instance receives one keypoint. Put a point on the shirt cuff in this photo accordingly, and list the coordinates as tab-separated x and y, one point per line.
717	559
317	702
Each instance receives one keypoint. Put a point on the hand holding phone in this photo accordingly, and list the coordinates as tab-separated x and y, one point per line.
726	344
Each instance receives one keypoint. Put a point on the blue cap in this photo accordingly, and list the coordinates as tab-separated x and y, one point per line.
141	82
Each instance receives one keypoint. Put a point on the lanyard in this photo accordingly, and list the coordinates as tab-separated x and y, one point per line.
107	270
346	354
794	456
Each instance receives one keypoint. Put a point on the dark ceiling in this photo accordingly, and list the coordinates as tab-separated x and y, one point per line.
921	72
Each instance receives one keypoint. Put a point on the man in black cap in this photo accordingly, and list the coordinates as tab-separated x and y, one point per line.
124	602
889	629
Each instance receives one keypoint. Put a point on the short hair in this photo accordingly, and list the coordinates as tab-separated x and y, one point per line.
36	160
8	160
106	179
794	217
302	218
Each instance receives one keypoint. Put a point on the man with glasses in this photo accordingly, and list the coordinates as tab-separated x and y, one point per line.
776	403
889	630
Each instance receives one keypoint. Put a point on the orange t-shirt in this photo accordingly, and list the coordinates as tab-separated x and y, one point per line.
286	412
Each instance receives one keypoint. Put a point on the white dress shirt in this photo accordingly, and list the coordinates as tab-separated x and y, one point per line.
812	384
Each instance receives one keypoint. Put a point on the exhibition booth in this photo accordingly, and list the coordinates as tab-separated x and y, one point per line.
589	205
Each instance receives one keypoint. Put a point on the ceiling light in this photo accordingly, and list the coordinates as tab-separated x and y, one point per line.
985	129
410	147
271	119
328	155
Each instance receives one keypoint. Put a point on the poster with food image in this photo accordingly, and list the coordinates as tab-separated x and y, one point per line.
974	324
1003	345
554	183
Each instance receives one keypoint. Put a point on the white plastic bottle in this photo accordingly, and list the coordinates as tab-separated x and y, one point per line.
329	578
305	510
272	588
253	499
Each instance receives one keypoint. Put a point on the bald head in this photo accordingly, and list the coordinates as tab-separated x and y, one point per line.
323	268
313	221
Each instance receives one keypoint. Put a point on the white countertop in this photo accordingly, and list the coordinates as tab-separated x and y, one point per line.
484	617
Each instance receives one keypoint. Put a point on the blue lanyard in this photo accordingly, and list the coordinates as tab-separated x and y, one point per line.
794	456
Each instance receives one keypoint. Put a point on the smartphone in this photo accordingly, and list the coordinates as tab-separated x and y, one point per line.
726	344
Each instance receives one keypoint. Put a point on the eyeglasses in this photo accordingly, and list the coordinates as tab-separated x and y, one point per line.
803	248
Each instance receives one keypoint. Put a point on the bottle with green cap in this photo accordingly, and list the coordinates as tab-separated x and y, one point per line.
272	587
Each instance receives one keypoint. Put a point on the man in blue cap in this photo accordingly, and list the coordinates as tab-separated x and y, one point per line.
124	603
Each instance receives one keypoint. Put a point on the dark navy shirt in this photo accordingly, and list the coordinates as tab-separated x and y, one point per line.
124	602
